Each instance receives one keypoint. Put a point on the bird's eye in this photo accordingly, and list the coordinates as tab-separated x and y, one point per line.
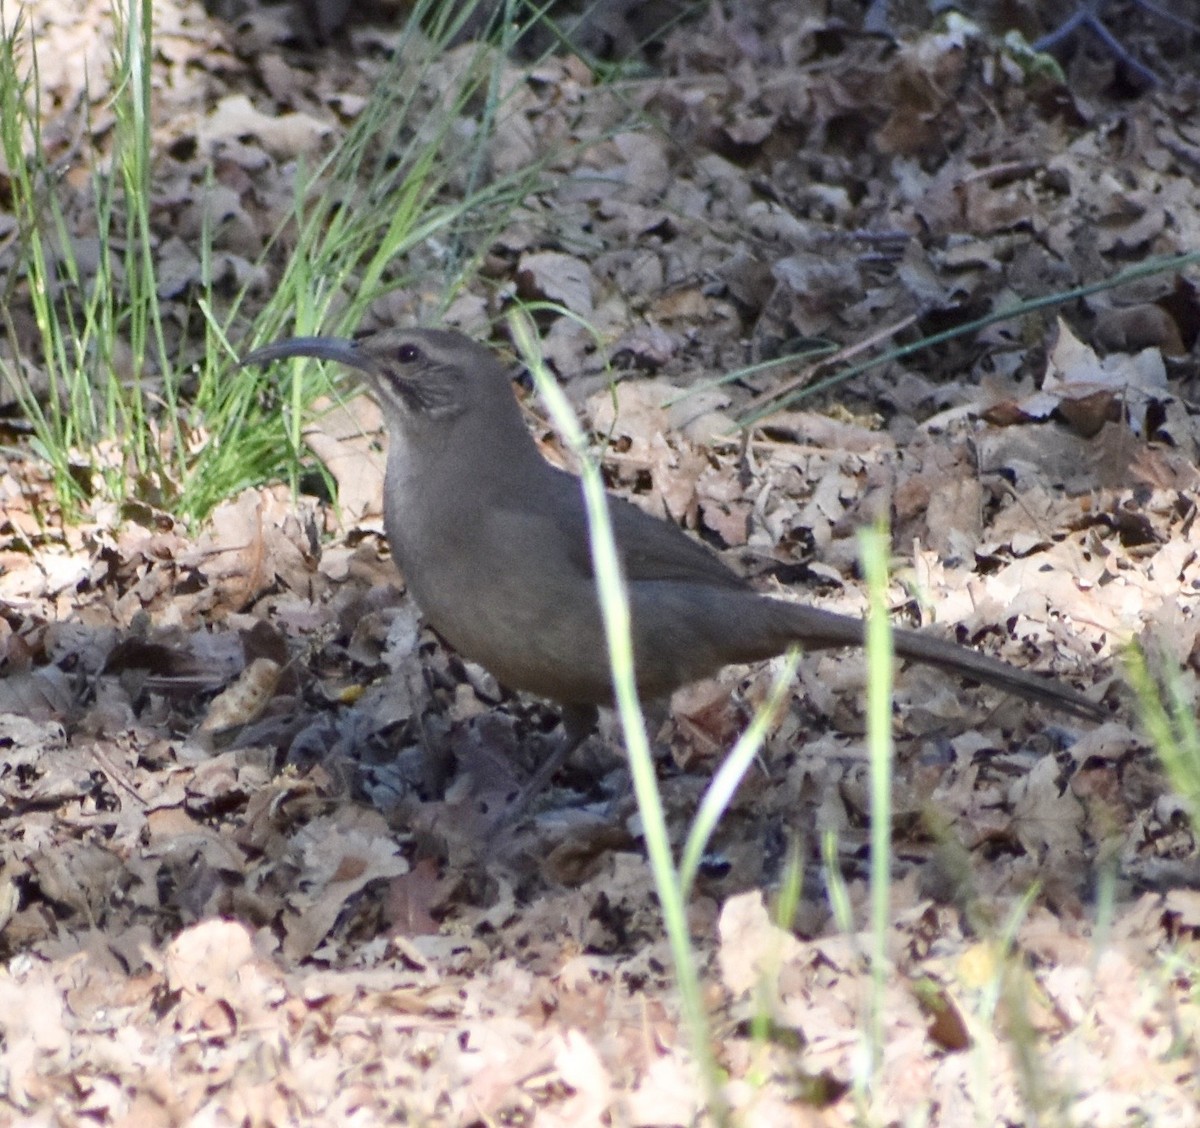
408	354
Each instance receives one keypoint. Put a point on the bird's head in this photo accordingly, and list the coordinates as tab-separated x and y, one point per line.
421	377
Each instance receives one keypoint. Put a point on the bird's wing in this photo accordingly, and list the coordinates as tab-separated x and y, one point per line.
650	549
653	549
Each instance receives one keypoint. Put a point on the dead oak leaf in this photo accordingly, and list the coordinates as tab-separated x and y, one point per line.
284	136
1048	818
346	439
1089	391
553	276
338	862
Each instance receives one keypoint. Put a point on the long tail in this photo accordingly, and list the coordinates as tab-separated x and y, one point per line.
816	629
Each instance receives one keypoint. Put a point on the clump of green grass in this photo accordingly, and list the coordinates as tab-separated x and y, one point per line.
109	389
103	356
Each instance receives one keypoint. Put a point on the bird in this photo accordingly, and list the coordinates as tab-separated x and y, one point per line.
493	544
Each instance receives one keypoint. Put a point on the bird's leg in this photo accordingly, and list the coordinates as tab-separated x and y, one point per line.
578	723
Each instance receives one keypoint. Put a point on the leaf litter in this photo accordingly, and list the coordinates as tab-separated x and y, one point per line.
243	788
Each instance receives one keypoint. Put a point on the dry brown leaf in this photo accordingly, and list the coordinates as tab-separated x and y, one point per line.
245	700
346	440
285	136
555	277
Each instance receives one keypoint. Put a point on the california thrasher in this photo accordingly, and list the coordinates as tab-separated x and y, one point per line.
493	544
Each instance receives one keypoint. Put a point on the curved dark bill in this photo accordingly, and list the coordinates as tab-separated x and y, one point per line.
339	349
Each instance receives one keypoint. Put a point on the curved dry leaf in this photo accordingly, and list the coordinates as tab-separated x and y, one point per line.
284	136
245	699
557	278
38	695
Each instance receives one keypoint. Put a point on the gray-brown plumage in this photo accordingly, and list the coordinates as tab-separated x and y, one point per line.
493	543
